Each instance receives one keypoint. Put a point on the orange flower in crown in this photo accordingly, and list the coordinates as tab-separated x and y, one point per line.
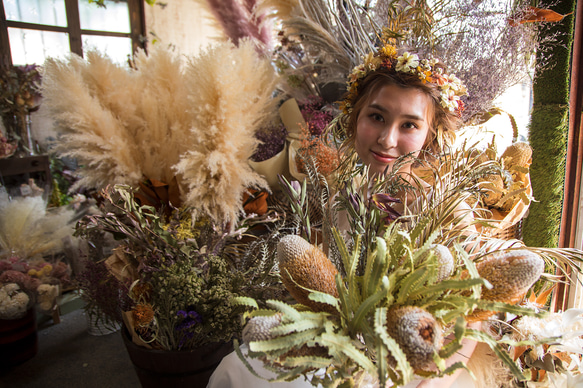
386	58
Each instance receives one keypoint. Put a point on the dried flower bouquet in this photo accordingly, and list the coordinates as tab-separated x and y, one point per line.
189	126
396	283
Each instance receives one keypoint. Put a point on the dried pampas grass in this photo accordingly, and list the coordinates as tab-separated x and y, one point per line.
234	89
164	117
29	230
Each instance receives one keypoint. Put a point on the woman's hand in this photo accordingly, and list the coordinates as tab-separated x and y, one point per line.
464	354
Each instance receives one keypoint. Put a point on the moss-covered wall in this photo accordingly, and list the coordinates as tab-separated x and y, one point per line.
548	136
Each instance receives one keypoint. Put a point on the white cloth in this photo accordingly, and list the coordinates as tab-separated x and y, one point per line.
232	373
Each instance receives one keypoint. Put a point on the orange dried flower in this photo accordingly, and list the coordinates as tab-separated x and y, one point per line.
143	314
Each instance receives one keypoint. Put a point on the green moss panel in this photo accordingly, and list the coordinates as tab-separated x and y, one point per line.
548	136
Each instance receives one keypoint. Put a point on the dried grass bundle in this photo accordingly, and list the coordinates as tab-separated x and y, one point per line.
163	117
29	230
233	95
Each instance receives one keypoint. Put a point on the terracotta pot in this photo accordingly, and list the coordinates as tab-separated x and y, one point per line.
165	368
18	340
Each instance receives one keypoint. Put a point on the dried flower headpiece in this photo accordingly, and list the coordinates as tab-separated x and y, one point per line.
450	87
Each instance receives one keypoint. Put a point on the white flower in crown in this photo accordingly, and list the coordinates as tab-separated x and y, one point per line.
455	83
407	62
449	99
358	72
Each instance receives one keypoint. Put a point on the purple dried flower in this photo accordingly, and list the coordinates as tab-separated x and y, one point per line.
272	142
383	203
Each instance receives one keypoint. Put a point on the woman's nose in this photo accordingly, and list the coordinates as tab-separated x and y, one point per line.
388	137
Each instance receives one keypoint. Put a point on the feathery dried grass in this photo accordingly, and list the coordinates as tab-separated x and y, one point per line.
121	126
164	118
28	230
233	95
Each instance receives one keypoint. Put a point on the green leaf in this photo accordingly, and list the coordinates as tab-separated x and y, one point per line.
500	352
244	301
445	285
403	365
509	308
377	266
285	342
286	309
369	304
411	282
308	362
322	297
297	326
341	344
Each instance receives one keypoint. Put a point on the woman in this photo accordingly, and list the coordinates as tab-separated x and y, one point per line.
396	106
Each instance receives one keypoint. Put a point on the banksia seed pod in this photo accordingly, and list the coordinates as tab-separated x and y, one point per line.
258	328
417	332
511	274
517	154
493	189
308	267
445	260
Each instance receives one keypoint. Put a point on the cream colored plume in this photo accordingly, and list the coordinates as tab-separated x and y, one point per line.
162	118
122	125
231	96
29	230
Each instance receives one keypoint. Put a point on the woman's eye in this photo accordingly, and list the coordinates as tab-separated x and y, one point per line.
377	117
410	125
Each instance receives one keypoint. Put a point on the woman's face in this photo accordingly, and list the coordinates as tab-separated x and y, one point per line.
393	122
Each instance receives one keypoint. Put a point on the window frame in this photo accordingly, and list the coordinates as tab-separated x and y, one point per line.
137	29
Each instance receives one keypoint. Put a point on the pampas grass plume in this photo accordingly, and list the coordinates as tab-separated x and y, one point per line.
231	97
164	118
29	230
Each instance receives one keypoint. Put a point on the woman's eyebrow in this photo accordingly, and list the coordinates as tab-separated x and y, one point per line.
409	116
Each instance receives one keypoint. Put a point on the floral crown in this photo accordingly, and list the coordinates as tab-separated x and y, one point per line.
450	87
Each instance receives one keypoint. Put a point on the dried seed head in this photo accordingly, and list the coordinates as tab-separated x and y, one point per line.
517	154
308	267
445	260
511	274
258	328
417	332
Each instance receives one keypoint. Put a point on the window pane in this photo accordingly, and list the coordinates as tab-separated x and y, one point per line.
115	17
49	12
31	46
117	49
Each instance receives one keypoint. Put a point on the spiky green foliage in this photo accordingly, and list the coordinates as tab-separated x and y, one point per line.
386	266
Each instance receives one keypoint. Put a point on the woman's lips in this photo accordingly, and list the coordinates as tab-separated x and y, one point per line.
383	158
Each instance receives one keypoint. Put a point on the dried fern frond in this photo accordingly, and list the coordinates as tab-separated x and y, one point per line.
29	230
230	98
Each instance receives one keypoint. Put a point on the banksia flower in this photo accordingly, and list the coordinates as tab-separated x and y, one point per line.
258	328
445	260
511	274
517	154
303	263
417	332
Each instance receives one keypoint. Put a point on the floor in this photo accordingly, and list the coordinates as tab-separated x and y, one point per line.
68	356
